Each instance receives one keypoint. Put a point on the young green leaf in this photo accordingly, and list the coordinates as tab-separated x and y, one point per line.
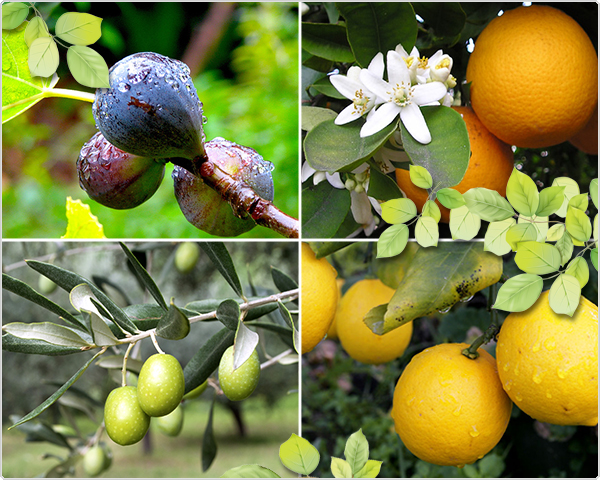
579	202
43	57
522	232
537	258
594	191
450	198
209	444
80	221
399	210
13	14
217	252
564	295
519	293
488	204
541	224
522	193
594	257
36	28
551	199
579	269
101	333
174	324
392	241
324	209
565	246
370	470
595	230
571	189
464	224
495	237
555	232
244	345
249	471
420	177
228	313
116	361
78	28
430	209
298	455
87	67
427	232
357	451
578	224
48	332
340	468
10	343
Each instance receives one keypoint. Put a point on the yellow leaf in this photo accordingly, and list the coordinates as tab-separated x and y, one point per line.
80	221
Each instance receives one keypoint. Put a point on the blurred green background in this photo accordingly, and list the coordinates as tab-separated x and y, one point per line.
244	61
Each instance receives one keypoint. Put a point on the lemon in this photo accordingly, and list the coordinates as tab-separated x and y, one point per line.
548	363
449	409
319	298
356	338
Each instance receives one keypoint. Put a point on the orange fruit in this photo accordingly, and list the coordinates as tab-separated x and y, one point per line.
587	138
490	165
534	77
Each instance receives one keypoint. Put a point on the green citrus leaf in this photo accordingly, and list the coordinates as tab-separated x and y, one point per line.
594	257
537	258
420	177
383	187
519	293
249	471
464	224
540	223
555	232
312	116
595	234
43	57
565	246
356	451
173	325
450	198
594	191
13	14
78	28
392	241
522	193
564	295
579	269
495	237
80	221
551	199
340	468
427	232
430	209
36	28
578	224
87	67
48	332
298	455
571	189
399	210
370	470
327	41
488	204
580	202
324	209
523	232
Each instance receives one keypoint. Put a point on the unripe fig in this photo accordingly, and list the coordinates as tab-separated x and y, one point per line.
240	383
196	392
171	423
151	109
186	256
160	385
203	207
125	421
117	179
94	461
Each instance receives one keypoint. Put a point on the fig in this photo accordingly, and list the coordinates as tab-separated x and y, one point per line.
160	385
203	207
117	179
151	109
126	423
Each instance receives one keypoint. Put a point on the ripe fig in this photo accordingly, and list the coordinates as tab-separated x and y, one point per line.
117	179
151	109
203	207
186	256
160	385
126	423
240	383
171	423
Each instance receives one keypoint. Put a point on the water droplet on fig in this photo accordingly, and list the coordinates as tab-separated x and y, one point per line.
123	87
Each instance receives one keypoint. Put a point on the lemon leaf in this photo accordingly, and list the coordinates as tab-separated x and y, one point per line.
555	232
430	209
580	202
250	471
43	57
427	232
578	269
464	224
571	189
540	223
565	246
594	191
80	221
537	258
519	293
522	232
488	204
298	455
392	241
578	224
78	28
356	451
450	198
370	470
398	210
551	199
594	257
495	237
564	295
13	14
88	67
522	193
36	28
420	177
340	468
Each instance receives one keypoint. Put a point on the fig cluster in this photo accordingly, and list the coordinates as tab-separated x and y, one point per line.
151	115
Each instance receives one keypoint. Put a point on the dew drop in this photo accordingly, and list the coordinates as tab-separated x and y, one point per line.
561	373
550	344
474	433
465	300
456	411
410	401
507	386
123	87
537	376
204	120
548	395
446	310
506	366
518	397
536	347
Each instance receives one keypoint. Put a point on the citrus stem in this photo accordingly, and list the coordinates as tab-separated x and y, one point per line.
490	333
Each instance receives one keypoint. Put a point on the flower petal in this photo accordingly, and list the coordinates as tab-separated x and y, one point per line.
376	205
345	85
382	117
307	172
376	66
335	180
347	115
428	93
375	84
397	70
414	122
361	208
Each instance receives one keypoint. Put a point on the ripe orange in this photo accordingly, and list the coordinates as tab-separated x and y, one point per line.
534	77
586	139
490	165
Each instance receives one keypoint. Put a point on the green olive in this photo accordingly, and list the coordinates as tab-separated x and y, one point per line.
172	423
186	256
94	461
160	385
240	383
45	285
196	392
126	423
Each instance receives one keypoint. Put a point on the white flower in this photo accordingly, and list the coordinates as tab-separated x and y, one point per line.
333	178
412	62
440	65
402	99
350	86
362	212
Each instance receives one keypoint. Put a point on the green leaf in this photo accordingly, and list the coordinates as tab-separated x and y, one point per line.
580	202
324	209
116	361
427	232
522	193
249	471
209	444
217	252
282	280
80	221
330	148
56	395
565	246
375	27
174	324
550	201
312	116
144	277
327	41
495	237
489	205
101	333
537	258
464	224
46	331
579	269
10	343
446	157
206	360
340	468
447	19
43	57
399	210
578	224
88	67
36	28
541	224
357	451
523	232
595	233
594	191
430	209
244	345
450	198
298	455
324	86
40	432
571	189
436	279
564	295
228	313
555	232
78	28
392	241
594	258
370	470
420	177
383	187
519	293
13	14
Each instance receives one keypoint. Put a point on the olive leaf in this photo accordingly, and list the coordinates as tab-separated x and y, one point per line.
78	28
209	444
282	281
87	67
10	343
48	332
40	432
217	252
519	293
244	345
43	57
228	313
174	324
116	361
